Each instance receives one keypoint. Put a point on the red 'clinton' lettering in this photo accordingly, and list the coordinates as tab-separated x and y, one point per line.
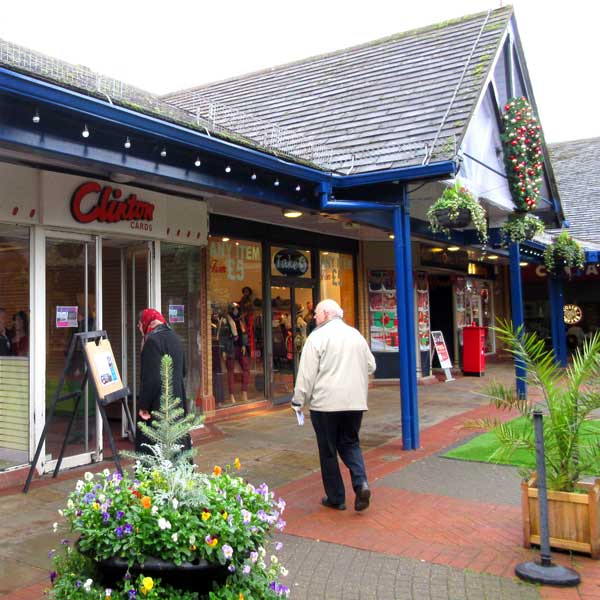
108	208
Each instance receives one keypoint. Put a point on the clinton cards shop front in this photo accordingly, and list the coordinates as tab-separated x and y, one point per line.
79	254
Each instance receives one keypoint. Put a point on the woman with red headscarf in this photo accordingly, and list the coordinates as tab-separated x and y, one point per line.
158	339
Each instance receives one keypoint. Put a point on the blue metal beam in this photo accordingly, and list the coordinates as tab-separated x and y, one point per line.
446	168
407	417
516	297
557	305
54	95
50	94
409	308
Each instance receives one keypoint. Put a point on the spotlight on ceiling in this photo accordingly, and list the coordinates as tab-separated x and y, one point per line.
291	213
453	248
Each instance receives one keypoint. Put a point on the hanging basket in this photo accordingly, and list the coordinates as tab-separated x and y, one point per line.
461	220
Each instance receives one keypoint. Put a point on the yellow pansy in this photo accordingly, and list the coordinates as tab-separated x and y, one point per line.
147	585
95	506
225	515
237	464
205	515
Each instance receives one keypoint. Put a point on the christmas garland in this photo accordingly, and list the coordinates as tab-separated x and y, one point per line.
522	144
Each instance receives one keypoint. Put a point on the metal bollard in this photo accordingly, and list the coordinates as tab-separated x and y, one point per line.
544	571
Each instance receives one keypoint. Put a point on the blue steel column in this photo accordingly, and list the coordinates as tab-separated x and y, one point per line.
516	298
557	305
406	403
410	320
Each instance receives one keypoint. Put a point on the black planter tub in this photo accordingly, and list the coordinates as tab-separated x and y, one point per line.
197	576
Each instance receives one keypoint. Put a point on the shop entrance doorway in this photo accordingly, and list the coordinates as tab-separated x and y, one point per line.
292	314
441	312
125	292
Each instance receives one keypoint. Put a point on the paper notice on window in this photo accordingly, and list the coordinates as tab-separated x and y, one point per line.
176	313
66	316
105	366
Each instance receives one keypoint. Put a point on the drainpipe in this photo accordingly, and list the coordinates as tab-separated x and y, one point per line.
516	299
405	304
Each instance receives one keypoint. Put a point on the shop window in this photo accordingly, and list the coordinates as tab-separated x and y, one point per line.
14	346
236	314
337	282
383	320
180	302
290	262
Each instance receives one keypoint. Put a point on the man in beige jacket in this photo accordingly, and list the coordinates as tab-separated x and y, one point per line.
333	381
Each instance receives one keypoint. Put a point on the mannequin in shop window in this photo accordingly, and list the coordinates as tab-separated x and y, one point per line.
247	304
20	334
5	345
233	341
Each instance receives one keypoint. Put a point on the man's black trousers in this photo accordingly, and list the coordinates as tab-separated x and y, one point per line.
337	433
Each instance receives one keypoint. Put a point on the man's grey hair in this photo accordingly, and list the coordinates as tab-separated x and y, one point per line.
331	308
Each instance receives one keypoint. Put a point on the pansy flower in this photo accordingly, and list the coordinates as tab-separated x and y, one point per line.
146	502
217	470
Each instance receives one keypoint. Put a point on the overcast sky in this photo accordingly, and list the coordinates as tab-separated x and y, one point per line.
166	46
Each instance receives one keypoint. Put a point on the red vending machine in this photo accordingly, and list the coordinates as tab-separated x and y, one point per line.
474	350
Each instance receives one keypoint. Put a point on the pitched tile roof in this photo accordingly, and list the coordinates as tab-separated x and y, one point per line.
577	169
375	106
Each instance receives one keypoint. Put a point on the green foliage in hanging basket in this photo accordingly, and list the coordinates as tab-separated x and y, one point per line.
522	147
564	251
521	227
453	199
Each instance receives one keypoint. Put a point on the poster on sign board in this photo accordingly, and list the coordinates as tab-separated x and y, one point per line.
440	347
103	367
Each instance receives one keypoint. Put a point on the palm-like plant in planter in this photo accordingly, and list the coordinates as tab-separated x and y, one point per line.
456	208
572	449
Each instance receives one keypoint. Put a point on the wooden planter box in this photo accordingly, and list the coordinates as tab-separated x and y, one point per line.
572	517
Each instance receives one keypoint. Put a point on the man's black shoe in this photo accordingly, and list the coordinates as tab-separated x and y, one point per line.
326	502
363	497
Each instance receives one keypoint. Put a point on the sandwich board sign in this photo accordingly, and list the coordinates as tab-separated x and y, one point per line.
437	337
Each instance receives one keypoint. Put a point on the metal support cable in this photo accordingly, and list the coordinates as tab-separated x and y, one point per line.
462	76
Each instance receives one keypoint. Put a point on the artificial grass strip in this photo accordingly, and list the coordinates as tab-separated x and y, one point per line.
482	447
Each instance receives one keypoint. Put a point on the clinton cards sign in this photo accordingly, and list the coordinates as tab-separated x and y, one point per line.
93	206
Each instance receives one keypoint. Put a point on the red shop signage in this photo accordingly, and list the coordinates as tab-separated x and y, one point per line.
109	208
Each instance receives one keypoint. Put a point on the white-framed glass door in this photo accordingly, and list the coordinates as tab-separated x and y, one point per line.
72	274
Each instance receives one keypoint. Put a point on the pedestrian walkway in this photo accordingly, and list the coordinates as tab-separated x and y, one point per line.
437	528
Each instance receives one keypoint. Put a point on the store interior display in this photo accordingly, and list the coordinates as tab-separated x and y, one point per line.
383	320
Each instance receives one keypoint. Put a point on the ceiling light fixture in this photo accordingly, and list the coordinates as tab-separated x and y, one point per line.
225	239
127	144
453	248
227	169
298	188
493	257
197	162
85	133
292	213
276	183
436	250
163	152
391	236
253	176
36	117
523	263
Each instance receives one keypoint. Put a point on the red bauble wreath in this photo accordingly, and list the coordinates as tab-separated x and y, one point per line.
522	144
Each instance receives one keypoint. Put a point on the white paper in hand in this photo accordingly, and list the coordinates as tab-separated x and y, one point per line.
300	417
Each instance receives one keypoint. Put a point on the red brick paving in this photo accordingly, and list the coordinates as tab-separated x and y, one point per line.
482	537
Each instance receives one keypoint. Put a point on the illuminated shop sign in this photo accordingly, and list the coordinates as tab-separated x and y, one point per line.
572	314
291	263
93	202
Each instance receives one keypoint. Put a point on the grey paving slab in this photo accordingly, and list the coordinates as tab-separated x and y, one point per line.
324	571
481	482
